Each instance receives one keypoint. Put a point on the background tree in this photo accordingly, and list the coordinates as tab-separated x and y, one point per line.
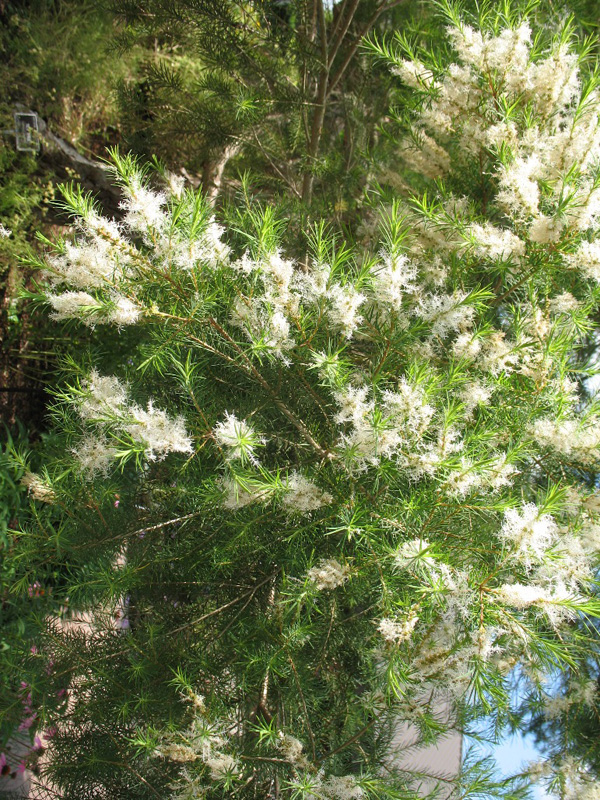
280	85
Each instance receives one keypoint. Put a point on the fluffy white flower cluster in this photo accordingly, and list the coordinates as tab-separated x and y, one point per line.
528	533
238	494
334	787
569	437
104	403
392	278
38	487
578	693
201	742
489	241
379	429
238	438
105	258
328	574
577	783
292	750
264	316
544	162
556	601
395	631
91	310
303	496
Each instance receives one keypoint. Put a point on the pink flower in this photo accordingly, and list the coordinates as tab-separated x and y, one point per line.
27	723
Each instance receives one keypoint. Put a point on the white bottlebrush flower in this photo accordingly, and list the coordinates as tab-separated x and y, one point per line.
303	496
413	553
592	503
328	574
292	750
528	532
246	265
475	394
391	279
220	764
548	599
342	787
104	397
564	303
343	311
38	488
181	753
466	345
407	408
277	332
500	473
209	248
491	242
423	154
237	496
95	456
280	273
413	74
445	312
76	305
175	184
313	284
519	192
457	98
469	44
238	438
569	437
587	259
123	311
554	81
590	537
262	324
545	230
4	232
398	630
156	432
92	311
584	209
353	404
579	693
98	227
143	207
89	264
462	481
498	355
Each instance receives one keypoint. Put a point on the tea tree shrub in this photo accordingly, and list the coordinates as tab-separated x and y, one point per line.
313	497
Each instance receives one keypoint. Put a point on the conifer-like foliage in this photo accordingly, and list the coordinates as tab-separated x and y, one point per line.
276	85
322	489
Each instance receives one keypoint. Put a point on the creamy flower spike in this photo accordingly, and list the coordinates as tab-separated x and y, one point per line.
328	574
528	532
398	630
156	432
38	487
104	401
143	207
95	456
303	496
238	438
